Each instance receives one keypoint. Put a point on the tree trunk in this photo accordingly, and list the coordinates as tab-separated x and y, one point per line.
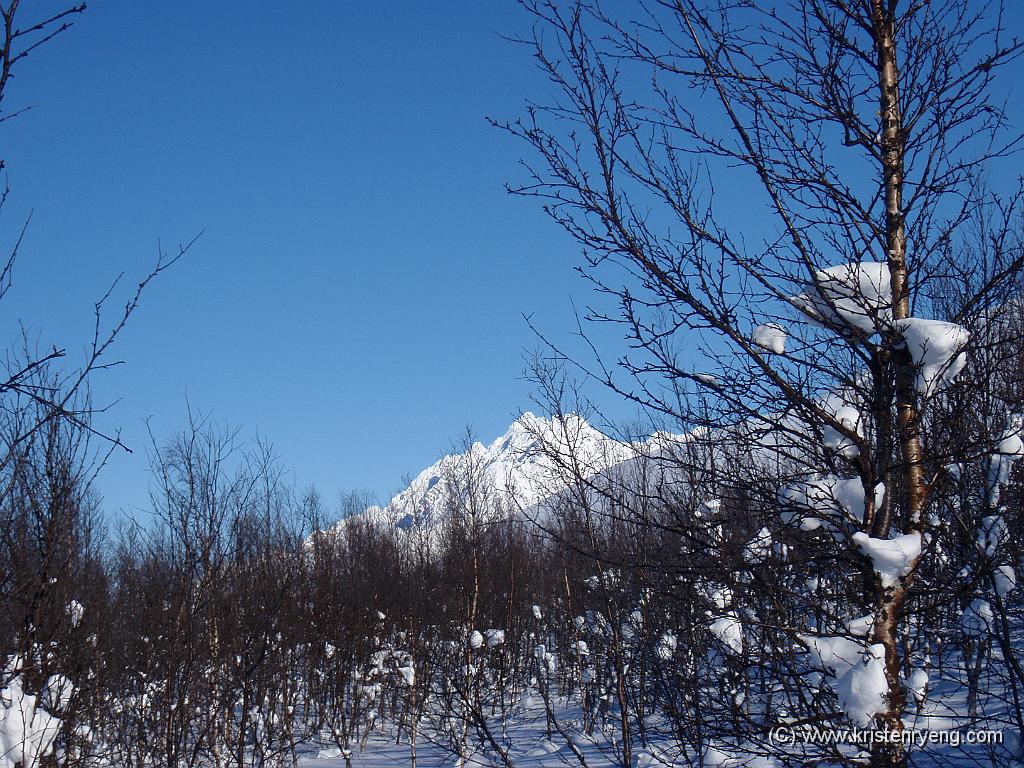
889	602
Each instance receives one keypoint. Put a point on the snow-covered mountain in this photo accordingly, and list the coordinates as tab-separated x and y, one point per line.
517	470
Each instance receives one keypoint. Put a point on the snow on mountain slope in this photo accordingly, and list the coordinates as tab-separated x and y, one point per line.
516	471
526	471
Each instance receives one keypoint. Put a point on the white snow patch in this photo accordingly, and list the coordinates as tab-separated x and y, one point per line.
408	674
1006	580
771	337
854	295
715	758
833	653
667	646
978	618
27	732
993	534
859	673
861	627
720	596
850	418
1009	449
918	685
76	611
936	348
892	558
729	632
826	498
709	506
494	637
862	690
57	692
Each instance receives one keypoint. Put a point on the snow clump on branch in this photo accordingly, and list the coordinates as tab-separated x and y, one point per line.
936	348
849	296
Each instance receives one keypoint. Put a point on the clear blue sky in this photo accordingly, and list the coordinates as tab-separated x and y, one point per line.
357	296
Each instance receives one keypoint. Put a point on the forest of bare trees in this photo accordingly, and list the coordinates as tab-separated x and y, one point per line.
633	610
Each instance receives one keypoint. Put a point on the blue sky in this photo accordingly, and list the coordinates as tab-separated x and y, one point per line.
358	292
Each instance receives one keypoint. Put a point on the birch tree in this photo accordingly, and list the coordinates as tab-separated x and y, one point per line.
769	197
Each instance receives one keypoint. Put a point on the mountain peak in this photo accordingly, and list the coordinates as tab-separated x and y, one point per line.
518	469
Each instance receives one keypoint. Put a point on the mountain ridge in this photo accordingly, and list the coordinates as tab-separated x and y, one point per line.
517	470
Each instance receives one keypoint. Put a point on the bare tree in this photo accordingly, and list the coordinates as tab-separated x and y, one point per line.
54	595
769	194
